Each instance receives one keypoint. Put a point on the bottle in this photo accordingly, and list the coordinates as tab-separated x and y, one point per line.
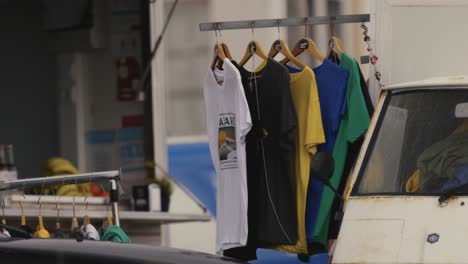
3	165
10	163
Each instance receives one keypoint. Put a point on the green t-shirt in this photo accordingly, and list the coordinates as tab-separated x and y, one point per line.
354	123
114	234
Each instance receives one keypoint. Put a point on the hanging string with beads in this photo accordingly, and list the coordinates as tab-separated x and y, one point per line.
372	57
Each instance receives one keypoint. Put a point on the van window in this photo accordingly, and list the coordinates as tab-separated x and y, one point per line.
421	145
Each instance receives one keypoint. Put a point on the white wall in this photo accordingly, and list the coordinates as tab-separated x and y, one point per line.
88	92
106	110
420	39
67	81
28	100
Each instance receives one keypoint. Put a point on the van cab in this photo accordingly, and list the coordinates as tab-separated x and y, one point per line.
406	200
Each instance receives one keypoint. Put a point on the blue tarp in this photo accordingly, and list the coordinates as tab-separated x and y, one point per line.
268	256
190	166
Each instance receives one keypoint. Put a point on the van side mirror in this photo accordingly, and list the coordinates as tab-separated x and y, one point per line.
322	167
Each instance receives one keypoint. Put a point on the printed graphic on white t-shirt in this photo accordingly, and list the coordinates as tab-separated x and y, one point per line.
227	146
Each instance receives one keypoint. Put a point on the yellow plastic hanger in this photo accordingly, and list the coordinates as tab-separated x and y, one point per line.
109	221
3	230
41	232
74	219
3	212
57	221
23	216
87	220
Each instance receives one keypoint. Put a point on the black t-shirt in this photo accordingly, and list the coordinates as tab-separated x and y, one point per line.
270	169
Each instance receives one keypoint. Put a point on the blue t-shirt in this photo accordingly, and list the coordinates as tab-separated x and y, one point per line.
292	69
461	178
332	81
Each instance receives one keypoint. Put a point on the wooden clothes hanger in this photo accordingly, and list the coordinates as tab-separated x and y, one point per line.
218	56
339	44
227	53
308	45
253	48
280	46
224	48
333	49
335	44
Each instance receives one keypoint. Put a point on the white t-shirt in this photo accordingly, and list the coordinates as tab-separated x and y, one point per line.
229	121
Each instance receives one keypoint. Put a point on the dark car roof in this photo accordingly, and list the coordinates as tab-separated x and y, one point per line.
86	252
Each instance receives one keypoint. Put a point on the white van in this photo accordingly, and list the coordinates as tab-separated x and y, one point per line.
407	198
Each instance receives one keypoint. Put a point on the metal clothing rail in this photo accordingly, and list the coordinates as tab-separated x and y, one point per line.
284	22
111	176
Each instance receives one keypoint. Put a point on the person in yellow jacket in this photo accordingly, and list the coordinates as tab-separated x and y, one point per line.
60	166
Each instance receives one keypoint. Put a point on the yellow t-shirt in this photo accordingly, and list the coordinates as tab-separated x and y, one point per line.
309	134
